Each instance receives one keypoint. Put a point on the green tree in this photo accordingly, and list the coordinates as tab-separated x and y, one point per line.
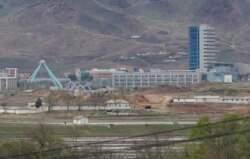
4	104
220	148
38	103
244	141
40	139
116	111
44	137
50	99
80	101
17	147
67	99
116	96
200	131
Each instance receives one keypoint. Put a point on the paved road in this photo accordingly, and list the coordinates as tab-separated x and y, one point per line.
111	123
144	123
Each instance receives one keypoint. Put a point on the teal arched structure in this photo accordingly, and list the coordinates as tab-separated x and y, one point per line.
42	66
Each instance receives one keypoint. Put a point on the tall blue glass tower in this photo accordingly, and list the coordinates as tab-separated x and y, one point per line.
193	48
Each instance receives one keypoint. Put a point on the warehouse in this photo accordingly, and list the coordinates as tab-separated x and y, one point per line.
212	99
146	79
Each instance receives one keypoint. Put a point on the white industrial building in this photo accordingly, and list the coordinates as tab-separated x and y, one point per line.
109	105
213	99
146	79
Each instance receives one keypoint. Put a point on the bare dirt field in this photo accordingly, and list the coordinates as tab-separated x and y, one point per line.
159	97
17	99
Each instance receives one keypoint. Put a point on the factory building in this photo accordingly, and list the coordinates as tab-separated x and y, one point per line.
146	79
101	77
221	72
101	73
8	79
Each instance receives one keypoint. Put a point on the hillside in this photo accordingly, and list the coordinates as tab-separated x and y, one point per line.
97	33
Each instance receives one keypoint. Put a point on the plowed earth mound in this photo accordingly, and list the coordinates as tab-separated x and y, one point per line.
155	101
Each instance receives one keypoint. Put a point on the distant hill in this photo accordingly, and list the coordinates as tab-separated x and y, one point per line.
98	33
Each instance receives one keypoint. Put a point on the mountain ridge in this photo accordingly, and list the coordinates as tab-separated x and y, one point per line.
98	33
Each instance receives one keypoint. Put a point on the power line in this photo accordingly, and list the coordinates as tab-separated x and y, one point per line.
174	130
160	144
125	138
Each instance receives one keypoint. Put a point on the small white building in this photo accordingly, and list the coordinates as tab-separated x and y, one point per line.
228	78
117	104
80	120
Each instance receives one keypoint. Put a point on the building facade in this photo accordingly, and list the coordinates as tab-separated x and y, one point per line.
193	48
101	73
220	72
8	79
146	79
101	77
201	47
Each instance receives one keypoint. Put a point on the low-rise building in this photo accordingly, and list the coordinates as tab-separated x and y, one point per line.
117	104
102	77
146	79
80	120
212	99
223	72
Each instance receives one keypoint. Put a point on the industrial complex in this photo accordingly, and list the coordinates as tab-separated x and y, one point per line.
99	89
124	79
202	67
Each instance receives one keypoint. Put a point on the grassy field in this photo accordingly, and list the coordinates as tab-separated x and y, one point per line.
61	117
12	130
